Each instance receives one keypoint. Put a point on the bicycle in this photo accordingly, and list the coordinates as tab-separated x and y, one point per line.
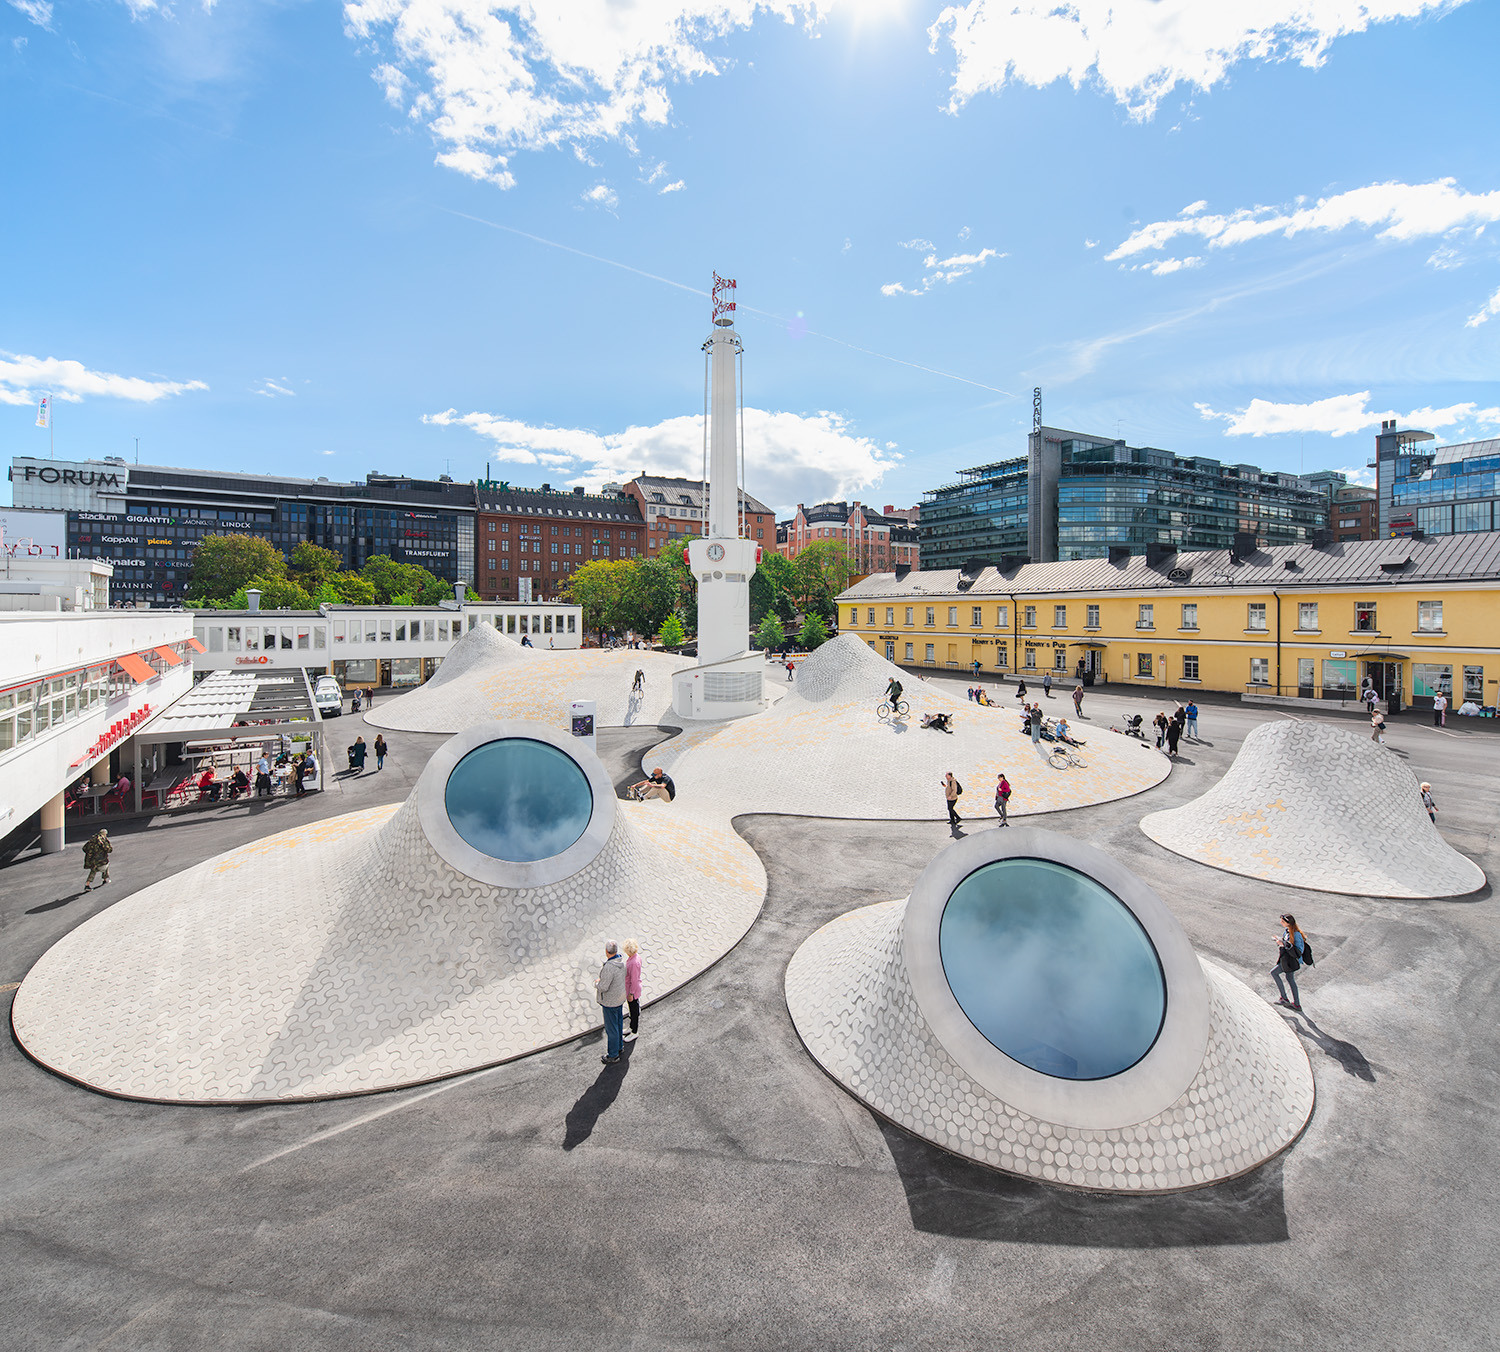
885	711
1063	759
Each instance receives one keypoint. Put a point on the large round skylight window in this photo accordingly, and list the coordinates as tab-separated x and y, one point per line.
1052	969
1056	978
516	804
518	800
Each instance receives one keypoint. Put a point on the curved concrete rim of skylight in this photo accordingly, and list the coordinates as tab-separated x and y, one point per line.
542	771
1134	1072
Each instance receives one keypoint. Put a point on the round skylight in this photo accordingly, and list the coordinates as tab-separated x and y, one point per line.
518	800
1053	969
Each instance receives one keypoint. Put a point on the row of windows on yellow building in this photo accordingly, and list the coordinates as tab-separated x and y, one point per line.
1330	645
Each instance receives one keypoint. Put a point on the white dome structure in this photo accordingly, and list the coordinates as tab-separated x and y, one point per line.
1317	806
489	675
458	929
1033	1006
823	752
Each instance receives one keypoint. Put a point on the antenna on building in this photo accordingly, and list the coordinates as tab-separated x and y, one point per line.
1036	409
138	450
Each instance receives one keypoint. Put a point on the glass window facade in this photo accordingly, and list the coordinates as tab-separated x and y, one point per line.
1052	969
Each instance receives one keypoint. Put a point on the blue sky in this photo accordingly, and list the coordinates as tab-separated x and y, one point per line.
297	236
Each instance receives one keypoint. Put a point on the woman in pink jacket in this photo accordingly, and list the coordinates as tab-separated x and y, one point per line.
633	985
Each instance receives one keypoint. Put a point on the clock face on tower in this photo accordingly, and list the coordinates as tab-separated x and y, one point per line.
716	552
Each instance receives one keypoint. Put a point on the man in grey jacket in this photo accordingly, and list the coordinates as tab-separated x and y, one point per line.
610	992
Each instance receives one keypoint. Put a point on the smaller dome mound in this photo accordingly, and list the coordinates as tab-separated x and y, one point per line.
845	668
1317	806
483	648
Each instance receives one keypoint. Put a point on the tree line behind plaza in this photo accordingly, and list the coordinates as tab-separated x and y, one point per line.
657	596
226	567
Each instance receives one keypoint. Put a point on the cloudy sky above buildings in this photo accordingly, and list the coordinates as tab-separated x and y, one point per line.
424	235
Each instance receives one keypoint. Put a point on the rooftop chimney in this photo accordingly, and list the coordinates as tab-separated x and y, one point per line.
460	592
252	599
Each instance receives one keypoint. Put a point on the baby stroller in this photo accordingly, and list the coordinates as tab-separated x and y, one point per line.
351	757
1133	727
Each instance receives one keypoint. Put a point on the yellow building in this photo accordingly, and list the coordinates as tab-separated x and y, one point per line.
1408	616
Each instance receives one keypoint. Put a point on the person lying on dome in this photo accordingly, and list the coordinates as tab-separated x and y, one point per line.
938	722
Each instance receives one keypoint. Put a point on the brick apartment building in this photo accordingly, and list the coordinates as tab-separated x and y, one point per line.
874	541
673	509
545	534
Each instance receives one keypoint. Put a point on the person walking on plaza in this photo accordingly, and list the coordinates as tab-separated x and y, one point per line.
1174	734
1377	727
951	789
96	852
1429	802
1439	709
1047	685
381	751
1077	701
299	773
357	754
1002	799
263	776
1036	724
1192	720
1291	948
1021	691
633	986
1160	724
609	990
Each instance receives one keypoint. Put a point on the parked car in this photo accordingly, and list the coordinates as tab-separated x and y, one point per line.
328	698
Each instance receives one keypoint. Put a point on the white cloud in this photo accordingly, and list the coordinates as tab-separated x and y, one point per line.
1485	312
479	165
1163	266
925	245
273	389
1400	211
789	457
939	270
491	78
964	234
602	195
1090	243
23	378
1340	415
38	11
676	186
1140	50
1358	474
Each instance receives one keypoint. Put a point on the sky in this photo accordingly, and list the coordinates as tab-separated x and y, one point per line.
451	236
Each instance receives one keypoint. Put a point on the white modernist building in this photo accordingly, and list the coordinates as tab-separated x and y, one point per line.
727	681
74	689
372	646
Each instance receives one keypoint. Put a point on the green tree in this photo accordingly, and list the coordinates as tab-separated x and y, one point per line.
771	589
311	565
814	632
600	587
772	633
671	635
820	572
651	596
686	606
391	579
352	590
276	593
223	564
434	590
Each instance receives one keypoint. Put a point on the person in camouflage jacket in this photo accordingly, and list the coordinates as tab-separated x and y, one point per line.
96	852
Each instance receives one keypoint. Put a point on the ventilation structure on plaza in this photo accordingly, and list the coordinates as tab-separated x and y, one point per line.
1034	1006
460	928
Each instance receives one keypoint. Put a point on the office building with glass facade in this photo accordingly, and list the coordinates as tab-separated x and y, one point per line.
1077	497
146	520
1454	490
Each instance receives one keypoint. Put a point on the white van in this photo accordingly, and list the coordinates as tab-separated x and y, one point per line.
328	698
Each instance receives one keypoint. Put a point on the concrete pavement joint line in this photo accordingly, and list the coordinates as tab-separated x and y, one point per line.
1318	806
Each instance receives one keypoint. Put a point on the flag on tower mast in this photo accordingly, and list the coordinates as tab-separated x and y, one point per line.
44	411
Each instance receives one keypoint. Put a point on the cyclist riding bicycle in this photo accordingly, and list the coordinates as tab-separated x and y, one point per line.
893	692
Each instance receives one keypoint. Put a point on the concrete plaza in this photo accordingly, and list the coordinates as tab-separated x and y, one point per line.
719	1190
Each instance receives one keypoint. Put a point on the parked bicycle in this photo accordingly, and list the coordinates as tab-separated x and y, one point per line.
1062	758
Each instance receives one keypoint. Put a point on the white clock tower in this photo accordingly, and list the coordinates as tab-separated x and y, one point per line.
727	681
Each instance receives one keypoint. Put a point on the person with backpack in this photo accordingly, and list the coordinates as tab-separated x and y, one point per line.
951	790
1002	799
1292	951
1377	727
1429	802
96	852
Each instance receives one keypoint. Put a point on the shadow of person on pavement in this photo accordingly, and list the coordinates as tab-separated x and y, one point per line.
1346	1054
592	1104
55	905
